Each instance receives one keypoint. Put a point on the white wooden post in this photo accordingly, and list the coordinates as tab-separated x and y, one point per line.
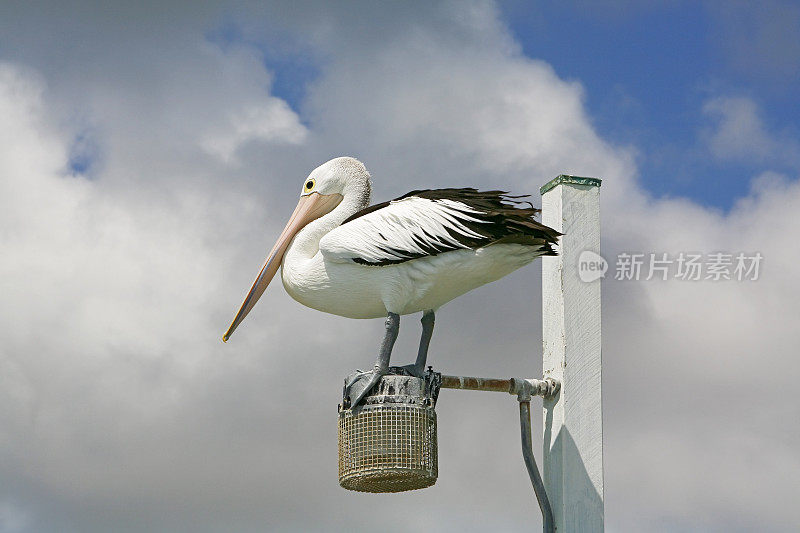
573	421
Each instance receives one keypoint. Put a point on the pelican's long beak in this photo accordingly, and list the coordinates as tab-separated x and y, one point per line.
309	208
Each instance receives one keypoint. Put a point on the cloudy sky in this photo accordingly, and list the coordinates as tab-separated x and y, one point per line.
150	153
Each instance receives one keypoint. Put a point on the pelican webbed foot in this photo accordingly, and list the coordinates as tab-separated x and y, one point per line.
412	370
359	384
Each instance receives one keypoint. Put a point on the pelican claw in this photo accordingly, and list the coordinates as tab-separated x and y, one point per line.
359	384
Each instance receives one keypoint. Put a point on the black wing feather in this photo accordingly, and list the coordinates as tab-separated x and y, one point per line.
502	219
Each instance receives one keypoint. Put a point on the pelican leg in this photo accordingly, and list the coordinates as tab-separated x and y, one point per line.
428	319
359	383
418	368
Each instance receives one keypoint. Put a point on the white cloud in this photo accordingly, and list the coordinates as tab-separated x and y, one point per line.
739	134
103	341
267	122
121	409
693	362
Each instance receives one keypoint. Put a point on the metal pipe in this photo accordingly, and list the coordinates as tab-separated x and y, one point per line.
524	389
535	387
484	384
533	470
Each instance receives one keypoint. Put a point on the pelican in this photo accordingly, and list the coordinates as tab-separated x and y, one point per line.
408	255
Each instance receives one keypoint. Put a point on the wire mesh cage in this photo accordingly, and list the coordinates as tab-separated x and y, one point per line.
388	443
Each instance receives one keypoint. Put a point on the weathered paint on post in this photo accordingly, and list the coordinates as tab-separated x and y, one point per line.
573	424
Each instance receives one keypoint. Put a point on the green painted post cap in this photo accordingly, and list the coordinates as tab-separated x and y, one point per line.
566	178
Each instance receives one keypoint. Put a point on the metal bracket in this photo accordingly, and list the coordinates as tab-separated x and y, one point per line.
524	389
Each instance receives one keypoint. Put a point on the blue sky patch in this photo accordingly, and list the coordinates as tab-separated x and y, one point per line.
84	155
293	68
648	70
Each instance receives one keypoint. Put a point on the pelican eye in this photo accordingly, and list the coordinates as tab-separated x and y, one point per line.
308	186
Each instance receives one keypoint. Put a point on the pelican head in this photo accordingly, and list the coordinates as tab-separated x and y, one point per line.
322	191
